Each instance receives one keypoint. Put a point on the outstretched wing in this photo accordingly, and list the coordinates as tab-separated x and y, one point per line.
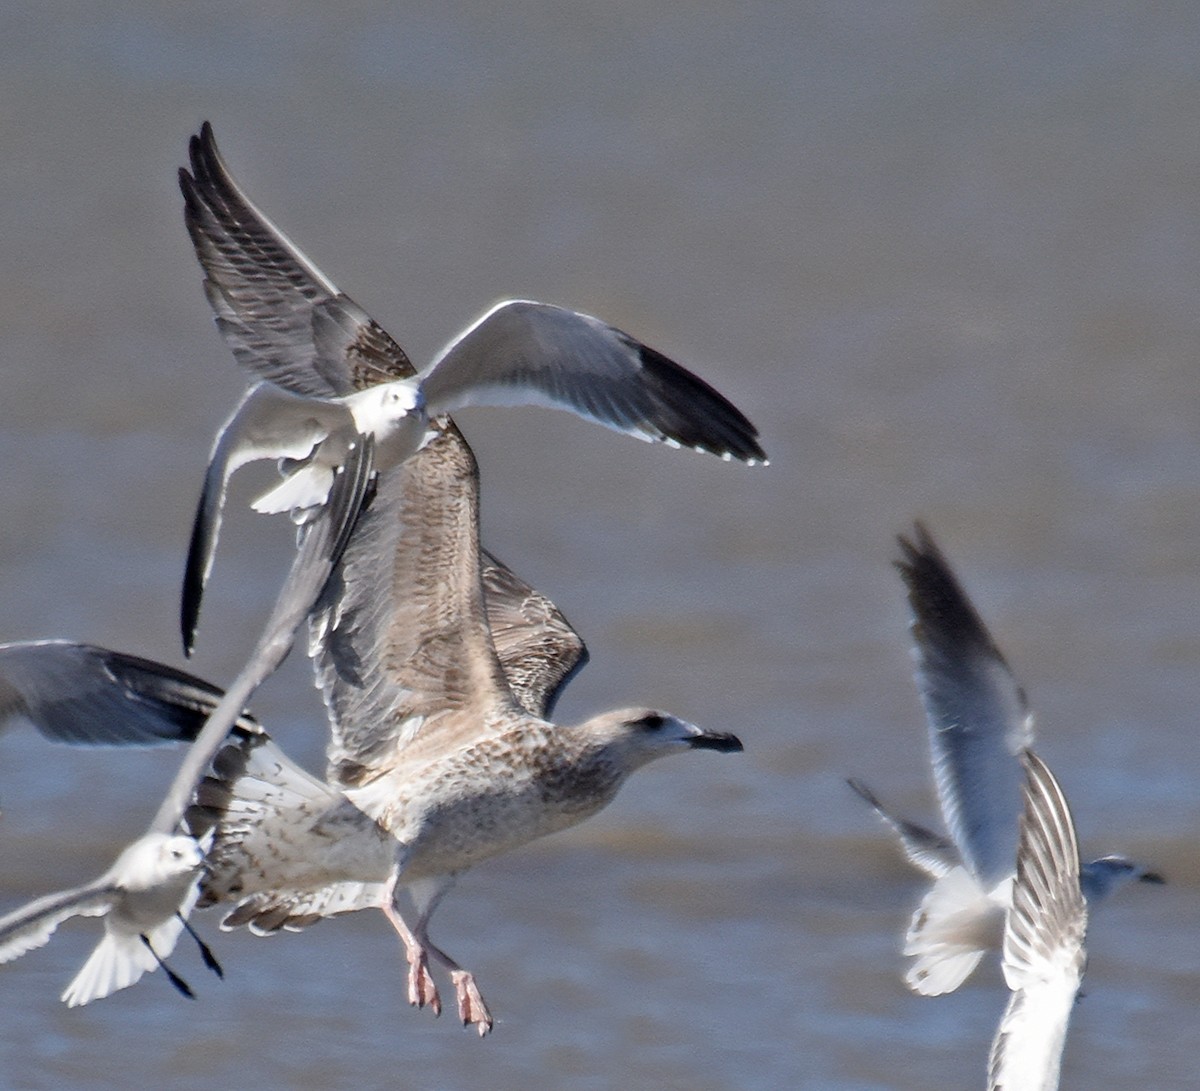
978	718
526	353
401	647
929	851
1044	932
284	320
537	647
33	924
87	695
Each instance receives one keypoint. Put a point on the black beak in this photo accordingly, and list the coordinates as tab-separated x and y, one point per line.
721	741
1151	877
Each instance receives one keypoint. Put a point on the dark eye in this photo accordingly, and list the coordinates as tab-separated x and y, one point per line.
649	723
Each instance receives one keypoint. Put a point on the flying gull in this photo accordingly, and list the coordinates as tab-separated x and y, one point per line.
979	723
146	894
438	758
1044	930
327	372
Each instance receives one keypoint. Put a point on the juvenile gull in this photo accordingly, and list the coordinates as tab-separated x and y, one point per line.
434	763
152	885
979	722
1044	930
329	373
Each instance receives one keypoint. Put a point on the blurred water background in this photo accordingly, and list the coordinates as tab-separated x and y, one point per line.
943	254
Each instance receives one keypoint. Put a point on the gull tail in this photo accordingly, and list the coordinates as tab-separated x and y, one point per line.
269	860
954	924
119	960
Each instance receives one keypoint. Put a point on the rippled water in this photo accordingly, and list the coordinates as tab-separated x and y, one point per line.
943	255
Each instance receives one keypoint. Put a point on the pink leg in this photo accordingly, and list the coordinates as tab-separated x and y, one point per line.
421	989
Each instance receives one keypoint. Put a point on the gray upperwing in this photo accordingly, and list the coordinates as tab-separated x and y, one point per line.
929	851
977	714
527	353
281	316
87	695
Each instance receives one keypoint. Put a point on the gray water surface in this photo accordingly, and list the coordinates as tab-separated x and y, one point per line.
944	255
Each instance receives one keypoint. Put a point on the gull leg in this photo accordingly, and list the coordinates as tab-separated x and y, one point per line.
421	989
172	976
471	1007
210	960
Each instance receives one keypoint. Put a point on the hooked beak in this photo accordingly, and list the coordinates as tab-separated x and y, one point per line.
1151	877
721	741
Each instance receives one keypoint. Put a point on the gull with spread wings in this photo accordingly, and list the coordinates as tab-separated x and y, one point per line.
1044	932
146	894
438	668
979	723
328	373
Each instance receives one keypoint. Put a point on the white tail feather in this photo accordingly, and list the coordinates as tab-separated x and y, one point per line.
955	923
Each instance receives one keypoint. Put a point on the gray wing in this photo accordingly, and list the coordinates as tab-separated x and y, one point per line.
32	925
87	695
929	851
526	353
978	718
1044	932
284	320
538	650
401	646
322	543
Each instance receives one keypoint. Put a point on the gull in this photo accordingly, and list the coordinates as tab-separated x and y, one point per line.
328	373
1044	930
434	763
146	894
979	723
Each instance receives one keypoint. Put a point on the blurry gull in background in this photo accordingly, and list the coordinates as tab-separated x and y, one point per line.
1044	955
979	723
329	373
144	896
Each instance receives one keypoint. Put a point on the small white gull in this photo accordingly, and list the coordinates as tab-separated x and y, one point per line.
438	758
329	373
1044	930
146	894
979	723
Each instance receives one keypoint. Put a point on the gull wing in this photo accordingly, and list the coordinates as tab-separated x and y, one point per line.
1044	955
268	423
929	851
87	695
978	717
283	319
32	925
401	646
526	353
322	543
538	650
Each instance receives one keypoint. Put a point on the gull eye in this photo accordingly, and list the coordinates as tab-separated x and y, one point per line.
652	722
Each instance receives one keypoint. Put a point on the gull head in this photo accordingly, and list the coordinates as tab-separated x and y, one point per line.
1101	877
157	859
638	735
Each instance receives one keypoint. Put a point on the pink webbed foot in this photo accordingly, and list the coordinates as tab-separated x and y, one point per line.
471	1008
421	989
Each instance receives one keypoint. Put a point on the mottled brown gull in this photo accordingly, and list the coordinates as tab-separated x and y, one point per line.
1044	932
979	723
329	373
434	762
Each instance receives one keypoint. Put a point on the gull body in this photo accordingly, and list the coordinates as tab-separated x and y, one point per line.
439	758
979	724
1044	933
329	374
